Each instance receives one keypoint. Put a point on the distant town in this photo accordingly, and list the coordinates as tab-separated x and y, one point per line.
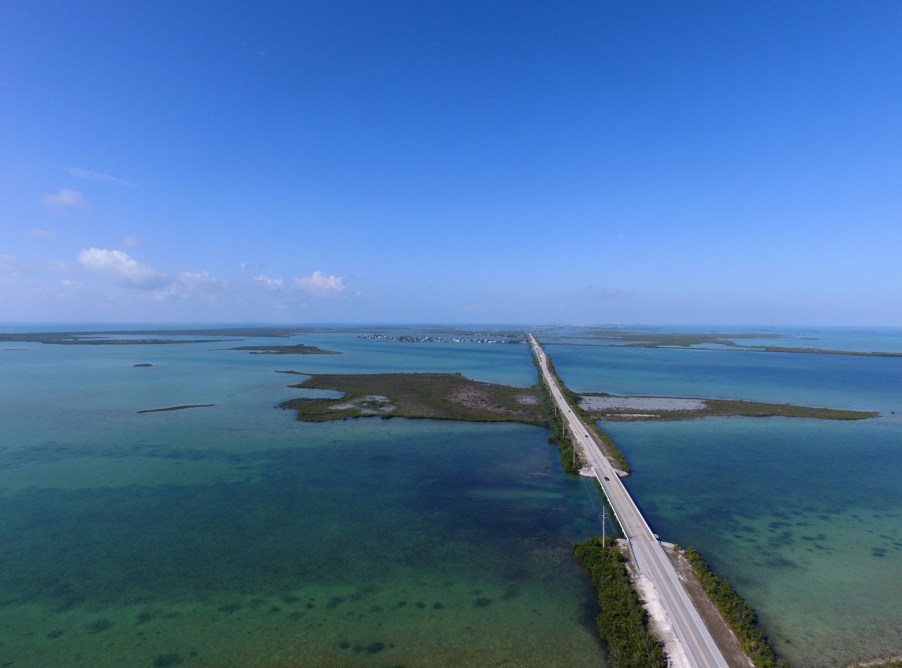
445	339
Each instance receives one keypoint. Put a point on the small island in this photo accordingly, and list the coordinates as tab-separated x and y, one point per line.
437	396
611	408
294	349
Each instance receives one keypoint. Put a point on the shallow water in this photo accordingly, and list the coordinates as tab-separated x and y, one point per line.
803	516
858	339
837	381
235	535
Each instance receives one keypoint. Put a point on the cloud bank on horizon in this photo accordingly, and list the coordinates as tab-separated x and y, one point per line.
512	162
118	268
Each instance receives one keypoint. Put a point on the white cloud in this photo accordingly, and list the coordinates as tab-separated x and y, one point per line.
122	269
191	284
97	177
131	241
10	265
316	284
270	283
321	285
181	292
66	198
41	233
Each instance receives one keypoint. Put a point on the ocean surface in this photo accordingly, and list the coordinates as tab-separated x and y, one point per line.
234	535
803	517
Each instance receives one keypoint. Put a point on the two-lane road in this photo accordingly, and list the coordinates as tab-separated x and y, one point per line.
649	556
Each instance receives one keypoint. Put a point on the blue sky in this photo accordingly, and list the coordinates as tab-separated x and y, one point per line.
381	161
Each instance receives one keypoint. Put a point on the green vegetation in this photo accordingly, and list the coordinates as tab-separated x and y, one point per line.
437	396
722	408
611	448
738	614
606	442
762	409
295	349
559	436
622	622
642	339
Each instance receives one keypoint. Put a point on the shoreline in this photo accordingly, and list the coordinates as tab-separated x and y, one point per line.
602	406
891	662
175	408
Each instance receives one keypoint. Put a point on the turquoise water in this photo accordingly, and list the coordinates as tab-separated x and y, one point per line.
233	535
838	381
877	339
497	363
804	517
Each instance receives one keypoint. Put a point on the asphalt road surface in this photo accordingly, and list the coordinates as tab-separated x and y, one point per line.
647	552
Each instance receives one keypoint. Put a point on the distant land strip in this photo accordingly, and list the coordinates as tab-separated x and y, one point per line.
295	349
466	338
669	339
175	408
824	351
154	336
689	341
630	409
232	332
735	346
95	339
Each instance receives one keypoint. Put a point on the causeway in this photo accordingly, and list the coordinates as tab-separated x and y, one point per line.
648	554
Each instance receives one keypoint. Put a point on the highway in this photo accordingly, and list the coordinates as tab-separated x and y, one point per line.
648	555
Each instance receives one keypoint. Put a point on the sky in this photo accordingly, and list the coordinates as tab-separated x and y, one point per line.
605	162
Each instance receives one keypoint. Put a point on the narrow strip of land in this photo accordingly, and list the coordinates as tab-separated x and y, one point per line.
649	556
627	409
175	408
